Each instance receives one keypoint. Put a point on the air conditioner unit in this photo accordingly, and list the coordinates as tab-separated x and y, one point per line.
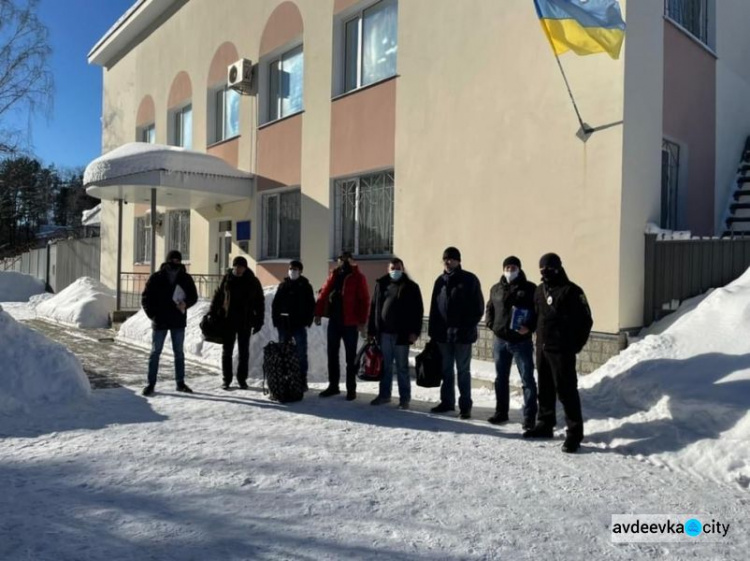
240	76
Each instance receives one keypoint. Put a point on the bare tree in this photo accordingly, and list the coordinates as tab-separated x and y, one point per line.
26	82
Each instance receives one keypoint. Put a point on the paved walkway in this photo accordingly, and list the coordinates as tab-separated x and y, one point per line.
109	364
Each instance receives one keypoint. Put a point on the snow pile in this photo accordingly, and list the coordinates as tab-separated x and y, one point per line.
137	330
86	303
18	287
141	157
36	372
680	396
663	234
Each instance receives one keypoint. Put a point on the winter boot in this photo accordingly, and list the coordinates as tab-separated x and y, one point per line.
184	388
148	390
498	418
540	431
442	408
329	391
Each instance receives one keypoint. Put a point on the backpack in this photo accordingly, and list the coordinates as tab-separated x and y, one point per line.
213	327
429	366
281	372
370	360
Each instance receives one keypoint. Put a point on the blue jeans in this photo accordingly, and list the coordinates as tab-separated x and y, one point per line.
158	337
300	340
523	353
400	353
460	355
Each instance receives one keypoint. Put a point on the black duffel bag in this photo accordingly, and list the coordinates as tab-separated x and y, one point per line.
213	327
429	366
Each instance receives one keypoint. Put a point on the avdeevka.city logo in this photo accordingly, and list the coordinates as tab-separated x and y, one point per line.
666	528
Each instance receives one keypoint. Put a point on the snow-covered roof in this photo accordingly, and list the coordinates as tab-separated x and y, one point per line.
182	177
92	217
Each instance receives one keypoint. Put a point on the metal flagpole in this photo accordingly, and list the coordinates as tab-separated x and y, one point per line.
586	130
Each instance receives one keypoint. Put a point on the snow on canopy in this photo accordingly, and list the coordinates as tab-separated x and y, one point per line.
140	157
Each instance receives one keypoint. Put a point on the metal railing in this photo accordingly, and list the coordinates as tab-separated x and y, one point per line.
132	285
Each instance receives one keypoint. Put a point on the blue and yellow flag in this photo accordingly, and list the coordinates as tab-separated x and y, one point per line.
583	26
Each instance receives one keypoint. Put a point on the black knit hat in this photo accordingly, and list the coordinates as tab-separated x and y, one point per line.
550	261
174	255
296	265
512	260
239	261
452	253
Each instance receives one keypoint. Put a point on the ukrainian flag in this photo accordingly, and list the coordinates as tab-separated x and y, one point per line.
583	26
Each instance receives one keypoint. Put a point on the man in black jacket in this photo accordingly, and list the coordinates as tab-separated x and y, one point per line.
456	307
292	312
396	313
168	294
510	316
563	326
240	300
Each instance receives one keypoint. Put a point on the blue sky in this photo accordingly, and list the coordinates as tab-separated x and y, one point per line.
71	136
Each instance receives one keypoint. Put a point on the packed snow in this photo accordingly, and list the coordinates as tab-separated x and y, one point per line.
680	396
36	372
85	303
19	287
139	157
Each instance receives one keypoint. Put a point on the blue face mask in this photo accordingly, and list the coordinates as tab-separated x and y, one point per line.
395	275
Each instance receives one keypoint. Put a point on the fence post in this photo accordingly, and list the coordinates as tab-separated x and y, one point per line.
649	285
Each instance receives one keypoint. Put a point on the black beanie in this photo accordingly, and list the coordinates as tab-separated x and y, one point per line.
239	261
452	253
296	265
512	260
174	254
550	260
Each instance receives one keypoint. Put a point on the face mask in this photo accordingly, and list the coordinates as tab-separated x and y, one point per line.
293	274
346	267
236	273
395	275
510	276
549	274
174	266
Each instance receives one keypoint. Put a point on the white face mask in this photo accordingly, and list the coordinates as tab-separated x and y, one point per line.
510	276
293	274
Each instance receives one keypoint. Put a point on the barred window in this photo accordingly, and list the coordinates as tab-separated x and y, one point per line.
281	225
178	232
364	214
182	126
690	14
670	170
142	251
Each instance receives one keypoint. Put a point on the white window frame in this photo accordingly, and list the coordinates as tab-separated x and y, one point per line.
276	58
217	122
339	74
276	194
169	243
177	126
338	222
147	133
142	240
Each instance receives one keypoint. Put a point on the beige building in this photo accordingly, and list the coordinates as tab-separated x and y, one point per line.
399	127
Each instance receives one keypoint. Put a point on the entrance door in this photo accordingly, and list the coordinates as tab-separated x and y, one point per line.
225	245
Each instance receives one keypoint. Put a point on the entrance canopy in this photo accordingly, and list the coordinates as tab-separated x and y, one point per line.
181	178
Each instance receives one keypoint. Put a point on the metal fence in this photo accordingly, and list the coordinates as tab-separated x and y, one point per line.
132	285
679	269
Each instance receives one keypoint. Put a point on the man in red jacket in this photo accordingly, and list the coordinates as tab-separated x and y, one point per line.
345	301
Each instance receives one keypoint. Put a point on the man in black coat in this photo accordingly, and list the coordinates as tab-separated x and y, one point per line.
396	313
456	307
240	300
563	327
168	294
292	312
510	316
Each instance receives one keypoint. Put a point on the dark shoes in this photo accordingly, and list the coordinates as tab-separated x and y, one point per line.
571	445
329	391
498	419
540	431
148	390
225	386
403	405
380	400
528	425
184	388
243	386
351	395
442	408
465	414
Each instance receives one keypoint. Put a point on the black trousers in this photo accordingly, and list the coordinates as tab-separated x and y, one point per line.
558	379
338	332
242	335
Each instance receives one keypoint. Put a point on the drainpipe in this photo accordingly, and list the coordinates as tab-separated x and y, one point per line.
119	255
153	230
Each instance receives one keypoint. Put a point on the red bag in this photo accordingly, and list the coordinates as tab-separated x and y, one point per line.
370	359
